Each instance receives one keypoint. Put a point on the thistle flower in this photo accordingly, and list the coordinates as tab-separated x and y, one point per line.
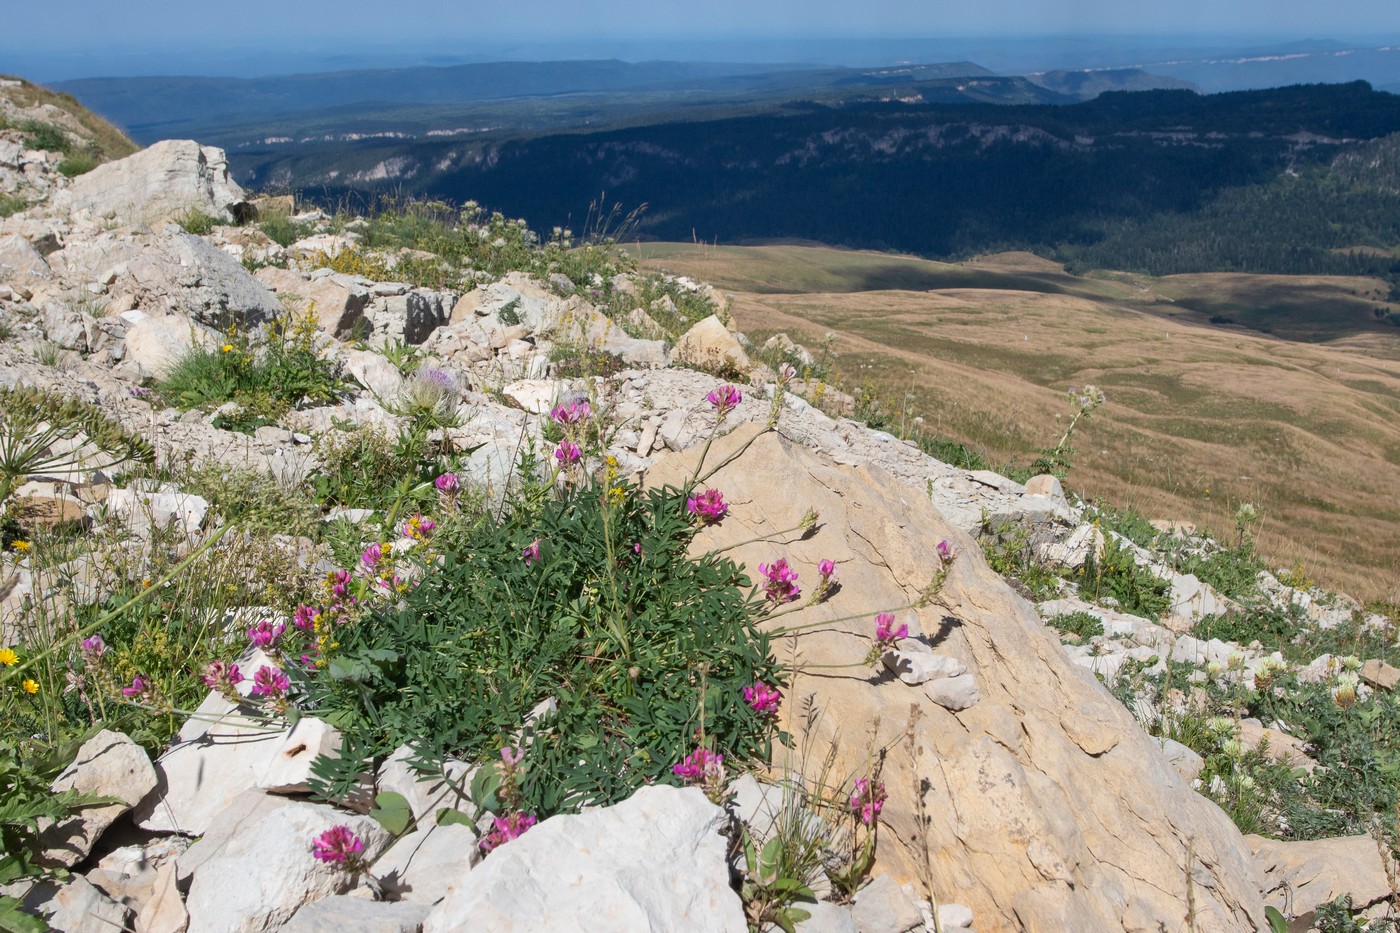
531	552
708	506
512	826
338	846
782	581
432	392
763	698
868	800
266	634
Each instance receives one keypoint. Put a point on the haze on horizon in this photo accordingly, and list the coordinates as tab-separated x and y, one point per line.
86	38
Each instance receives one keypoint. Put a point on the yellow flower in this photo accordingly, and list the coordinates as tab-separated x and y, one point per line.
228	348
29	686
21	546
8	657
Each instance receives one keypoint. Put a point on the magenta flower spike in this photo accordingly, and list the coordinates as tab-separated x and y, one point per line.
220	675
708	506
94	648
140	687
782	581
372	555
573	413
699	767
448	484
270	682
531	552
512	826
886	635
868	800
786	373
567	453
266	634
304	618
763	698
724	399
337	846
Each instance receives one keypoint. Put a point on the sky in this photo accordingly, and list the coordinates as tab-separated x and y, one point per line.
167	37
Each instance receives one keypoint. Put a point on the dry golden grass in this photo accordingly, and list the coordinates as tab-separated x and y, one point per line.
1199	418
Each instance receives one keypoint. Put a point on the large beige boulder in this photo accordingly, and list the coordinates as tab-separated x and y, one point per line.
710	344
1042	806
1301	875
338	302
166	181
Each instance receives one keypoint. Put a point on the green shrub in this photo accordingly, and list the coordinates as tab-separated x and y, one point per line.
364	469
45	136
640	645
78	163
282	230
952	453
1115	574
197	222
11	204
1084	625
1009	552
1234	572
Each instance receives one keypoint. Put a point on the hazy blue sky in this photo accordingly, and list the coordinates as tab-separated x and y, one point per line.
50	41
152	22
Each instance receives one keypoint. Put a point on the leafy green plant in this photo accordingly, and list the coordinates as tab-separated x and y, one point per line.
770	887
637	644
45	136
1009	552
26	800
363	468
1082	625
78	163
1113	573
11	204
283	230
1055	459
44	433
197	222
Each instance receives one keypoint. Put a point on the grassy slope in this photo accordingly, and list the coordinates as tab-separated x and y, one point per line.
110	142
1199	418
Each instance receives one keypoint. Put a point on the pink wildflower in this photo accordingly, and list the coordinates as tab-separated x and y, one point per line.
886	635
701	768
724	398
339	582
868	800
708	506
782	581
763	698
946	552
221	676
372	555
270	682
512	756
265	634
826	568
576	411
140	687
419	528
304	618
337	846
786	373
567	453
448	484
512	826
531	552
94	648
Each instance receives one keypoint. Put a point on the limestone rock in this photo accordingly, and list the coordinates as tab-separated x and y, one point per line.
341	913
1380	675
154	344
1301	875
1186	762
710	344
160	508
883	907
656	861
79	907
108	764
266	873
337	301
374	372
20	261
429	862
427	793
827	918
165	181
1049	808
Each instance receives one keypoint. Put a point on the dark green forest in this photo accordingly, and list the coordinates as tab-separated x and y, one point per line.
1291	180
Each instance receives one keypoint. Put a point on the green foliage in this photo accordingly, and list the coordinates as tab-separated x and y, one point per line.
953	453
78	163
1257	620
1010	552
1115	574
639	650
1128	522
265	374
45	136
11	204
36	427
775	877
576	363
1339	916
25	800
197	222
365	469
255	501
1083	625
282	230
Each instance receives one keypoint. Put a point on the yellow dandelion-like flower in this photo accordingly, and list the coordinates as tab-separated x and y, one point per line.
29	686
8	657
228	348
21	546
146	582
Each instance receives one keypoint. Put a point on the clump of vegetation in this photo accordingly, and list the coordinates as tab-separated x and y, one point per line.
11	204
1114	574
78	163
197	222
1011	553
1081	625
45	136
265	373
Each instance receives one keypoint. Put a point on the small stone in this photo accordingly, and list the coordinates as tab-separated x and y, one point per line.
882	906
954	693
826	918
79	907
954	917
342	912
1380	675
425	865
